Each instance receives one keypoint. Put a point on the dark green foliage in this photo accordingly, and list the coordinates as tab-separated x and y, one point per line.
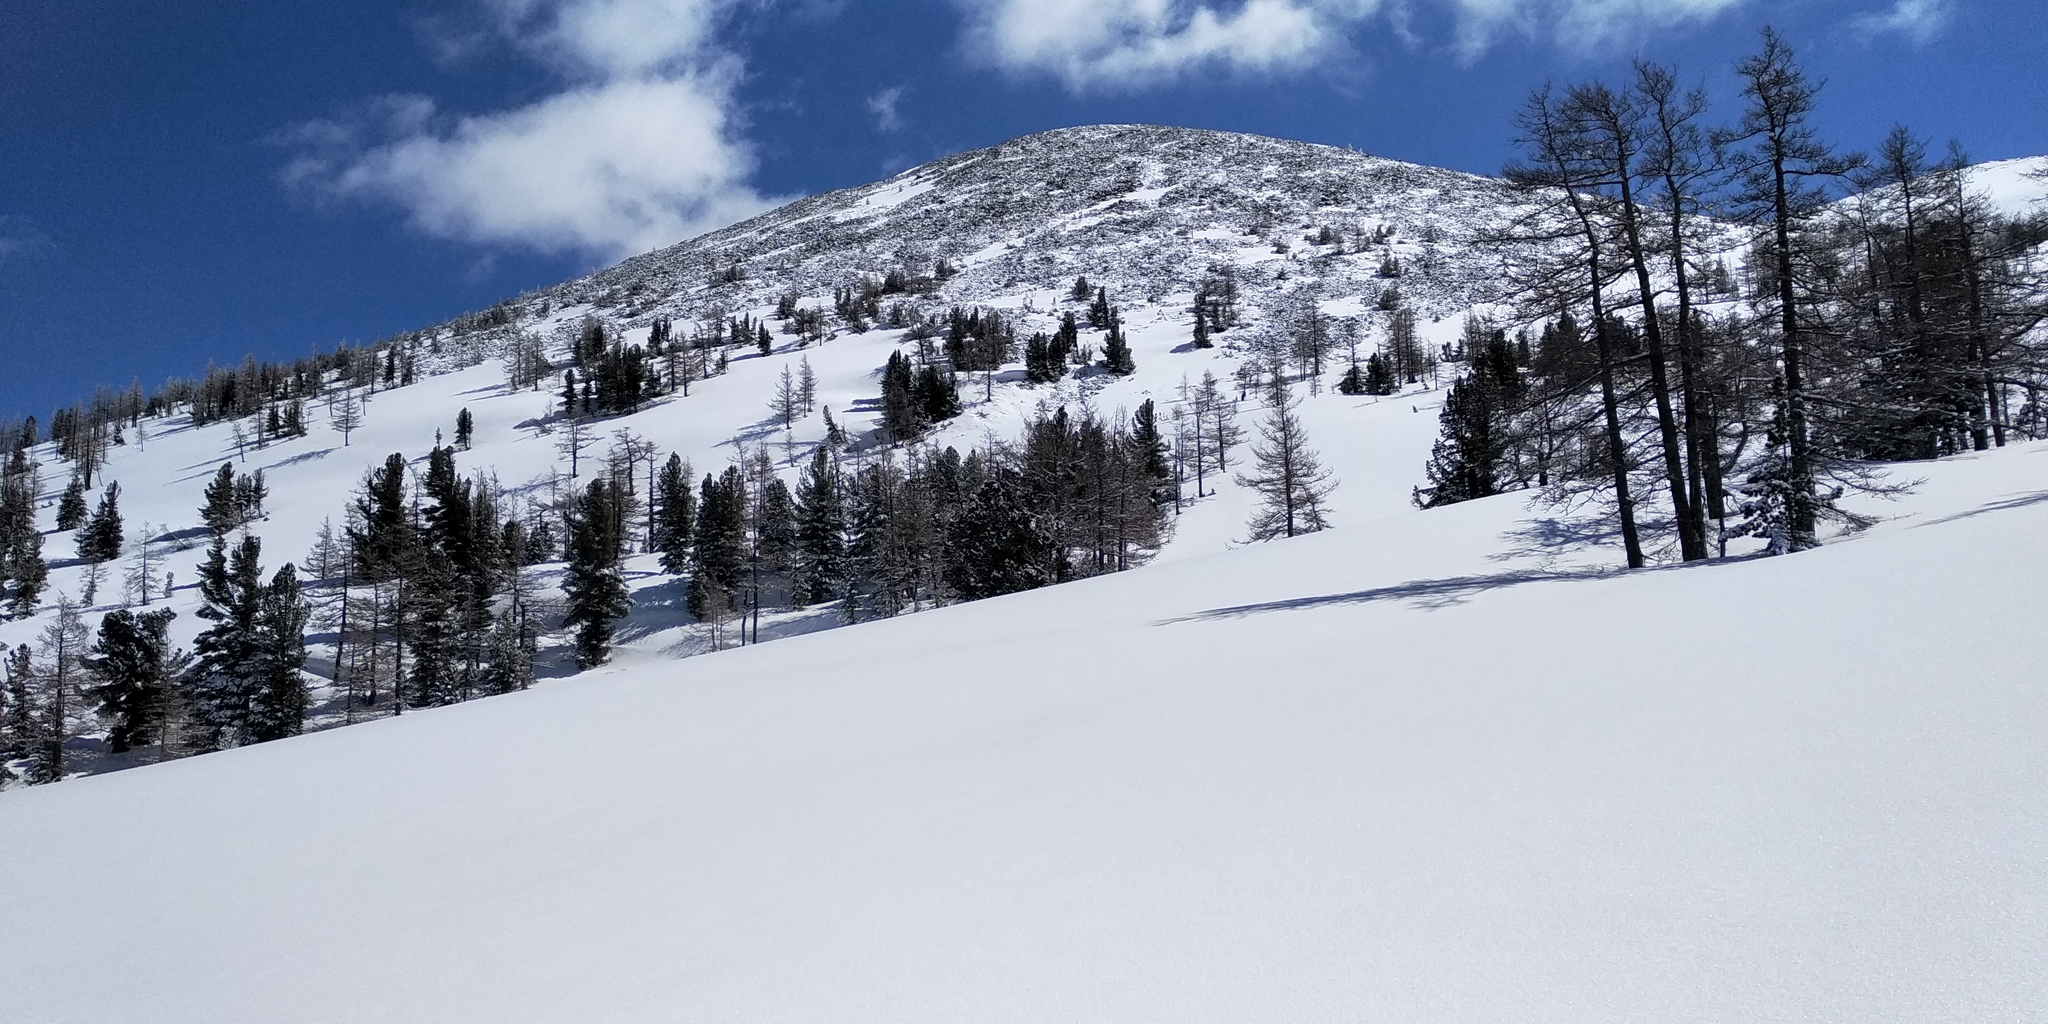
1150	446
820	516
1353	381
594	582
719	550
1379	376
21	544
100	539
137	669
465	429
1116	350
71	508
997	546
1081	289
232	501
1471	452
244	684
382	536
675	514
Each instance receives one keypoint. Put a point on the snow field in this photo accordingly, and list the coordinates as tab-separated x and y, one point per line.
1416	768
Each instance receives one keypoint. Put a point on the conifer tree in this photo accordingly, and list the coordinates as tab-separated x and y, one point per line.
137	669
1293	486
1116	350
21	544
465	429
1471	452
675	514
997	546
71	509
59	683
595	583
101	538
719	550
221	512
820	533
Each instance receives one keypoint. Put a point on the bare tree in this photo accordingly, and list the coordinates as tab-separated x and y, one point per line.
1294	488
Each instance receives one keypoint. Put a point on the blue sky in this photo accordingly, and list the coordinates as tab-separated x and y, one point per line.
189	182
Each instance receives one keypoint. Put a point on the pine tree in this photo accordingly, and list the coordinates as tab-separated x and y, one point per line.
675	514
820	533
1116	350
465	429
71	510
137	669
221	512
1293	486
223	678
719	550
1472	450
996	545
21	544
101	538
594	582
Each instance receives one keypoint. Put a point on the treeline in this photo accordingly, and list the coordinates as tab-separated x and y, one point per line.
1881	312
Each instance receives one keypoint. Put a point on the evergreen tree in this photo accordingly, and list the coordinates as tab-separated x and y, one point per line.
1471	452
719	550
594	583
71	510
21	544
1116	350
101	539
903	415
225	675
137	669
675	514
1152	454
465	429
221	512
820	533
1293	487
996	545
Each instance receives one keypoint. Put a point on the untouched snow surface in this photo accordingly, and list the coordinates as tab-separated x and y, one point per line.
1431	766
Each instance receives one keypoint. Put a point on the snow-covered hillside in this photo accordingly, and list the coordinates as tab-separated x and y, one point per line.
1203	201
1430	766
1142	209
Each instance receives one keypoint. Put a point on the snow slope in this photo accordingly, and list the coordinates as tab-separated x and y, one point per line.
1429	766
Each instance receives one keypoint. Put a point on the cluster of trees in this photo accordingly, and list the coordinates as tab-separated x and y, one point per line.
1885	313
242	683
895	530
426	587
22	569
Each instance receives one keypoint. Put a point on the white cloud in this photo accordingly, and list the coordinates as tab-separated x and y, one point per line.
1114	43
1576	24
1092	44
883	106
638	150
1918	20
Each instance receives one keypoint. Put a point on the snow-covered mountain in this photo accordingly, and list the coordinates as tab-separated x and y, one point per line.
1442	765
1144	210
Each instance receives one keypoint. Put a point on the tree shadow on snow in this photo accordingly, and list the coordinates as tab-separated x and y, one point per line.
2002	505
1427	594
